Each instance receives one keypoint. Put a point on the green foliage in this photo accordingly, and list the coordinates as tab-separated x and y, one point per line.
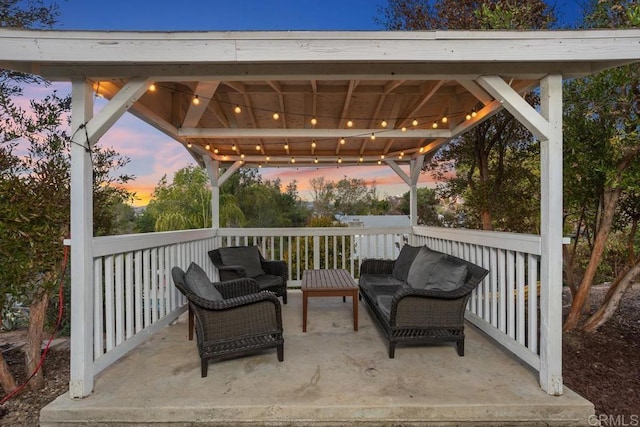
428	204
182	204
347	196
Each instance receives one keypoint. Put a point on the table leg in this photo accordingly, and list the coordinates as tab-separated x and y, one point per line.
355	310
304	311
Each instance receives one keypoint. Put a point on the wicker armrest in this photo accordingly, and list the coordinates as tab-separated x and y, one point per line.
407	290
237	287
377	266
238	301
238	269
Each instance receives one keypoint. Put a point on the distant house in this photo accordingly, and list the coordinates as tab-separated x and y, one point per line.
368	246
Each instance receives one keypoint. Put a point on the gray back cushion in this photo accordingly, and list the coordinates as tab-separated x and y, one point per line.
449	274
200	284
246	256
422	266
403	263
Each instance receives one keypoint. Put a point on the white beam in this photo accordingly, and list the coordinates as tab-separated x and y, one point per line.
521	109
116	107
393	165
82	291
475	90
225	133
551	237
227	174
212	170
204	91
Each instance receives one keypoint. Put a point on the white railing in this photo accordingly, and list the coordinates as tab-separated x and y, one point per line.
505	304
135	295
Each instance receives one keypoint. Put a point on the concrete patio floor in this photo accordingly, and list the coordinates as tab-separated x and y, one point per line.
331	375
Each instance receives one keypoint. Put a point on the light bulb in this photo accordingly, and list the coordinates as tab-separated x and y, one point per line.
379	162
373	136
233	147
315	160
313	144
242	156
404	129
342	141
435	125
267	158
382	156
445	119
152	87
415	122
314	121
215	150
207	147
258	147
468	117
189	145
421	149
473	114
260	166
293	160
402	154
361	159
237	109
384	124
196	100
276	116
286	146
349	124
339	159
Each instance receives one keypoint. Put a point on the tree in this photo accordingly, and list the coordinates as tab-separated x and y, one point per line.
497	156
34	209
603	113
427	206
184	203
347	196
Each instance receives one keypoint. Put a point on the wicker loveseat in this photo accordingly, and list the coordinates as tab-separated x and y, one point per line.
420	297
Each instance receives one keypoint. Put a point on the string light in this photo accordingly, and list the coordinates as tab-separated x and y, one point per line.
314	121
474	113
384	124
152	87
258	147
242	156
196	100
313	144
361	159
373	136
315	160
189	145
404	129
445	119
381	156
415	122
233	147
276	116
379	162
237	109
286	146
468	117
267	158
293	160
339	159
215	150
349	124
435	125
207	147
342	141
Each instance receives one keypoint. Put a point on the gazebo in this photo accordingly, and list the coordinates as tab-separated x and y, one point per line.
303	99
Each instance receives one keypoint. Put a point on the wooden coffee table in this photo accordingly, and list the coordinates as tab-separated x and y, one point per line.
328	283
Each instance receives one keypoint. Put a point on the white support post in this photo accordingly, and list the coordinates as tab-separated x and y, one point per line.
212	171
81	380
551	237
414	171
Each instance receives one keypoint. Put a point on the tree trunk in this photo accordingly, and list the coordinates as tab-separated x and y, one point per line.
612	300
611	198
568	270
32	350
7	381
486	221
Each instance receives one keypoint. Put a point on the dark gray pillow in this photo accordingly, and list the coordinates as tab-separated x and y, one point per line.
246	256
449	274
422	266
403	263
200	284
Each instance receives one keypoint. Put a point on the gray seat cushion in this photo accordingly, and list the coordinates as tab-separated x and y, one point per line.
422	266
379	280
403	263
199	282
246	256
267	281
447	275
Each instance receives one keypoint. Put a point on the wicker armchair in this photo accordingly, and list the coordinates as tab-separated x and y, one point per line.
247	261
243	321
409	315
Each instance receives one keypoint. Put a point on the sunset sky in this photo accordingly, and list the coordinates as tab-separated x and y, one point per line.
152	153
